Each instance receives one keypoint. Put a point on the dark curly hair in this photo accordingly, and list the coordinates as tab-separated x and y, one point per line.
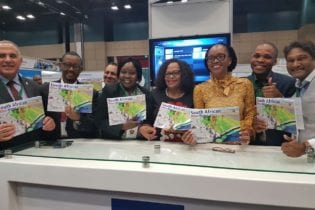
186	80
136	63
231	54
307	46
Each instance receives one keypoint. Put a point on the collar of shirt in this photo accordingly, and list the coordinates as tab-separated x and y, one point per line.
62	82
16	79
306	81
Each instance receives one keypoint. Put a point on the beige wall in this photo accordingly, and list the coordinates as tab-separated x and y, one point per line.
96	52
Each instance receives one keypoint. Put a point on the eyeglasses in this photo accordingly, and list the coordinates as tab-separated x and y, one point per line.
68	66
212	59
172	74
222	149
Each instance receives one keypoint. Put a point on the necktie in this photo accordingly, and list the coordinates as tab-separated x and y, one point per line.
13	90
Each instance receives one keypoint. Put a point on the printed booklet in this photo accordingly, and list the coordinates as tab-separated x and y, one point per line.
173	117
27	115
79	96
279	113
121	109
219	125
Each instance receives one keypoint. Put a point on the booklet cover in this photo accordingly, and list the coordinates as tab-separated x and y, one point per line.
121	109
279	113
95	82
220	125
79	96
27	115
173	117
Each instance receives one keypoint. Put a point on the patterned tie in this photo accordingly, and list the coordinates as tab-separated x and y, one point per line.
13	90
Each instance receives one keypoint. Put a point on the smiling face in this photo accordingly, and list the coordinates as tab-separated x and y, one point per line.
172	76
299	63
263	59
10	60
218	61
128	76
71	68
110	74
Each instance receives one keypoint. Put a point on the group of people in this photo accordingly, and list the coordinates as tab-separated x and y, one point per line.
174	85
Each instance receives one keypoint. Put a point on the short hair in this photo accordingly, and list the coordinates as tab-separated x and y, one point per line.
231	54
307	46
12	43
272	45
72	53
136	63
111	64
186	80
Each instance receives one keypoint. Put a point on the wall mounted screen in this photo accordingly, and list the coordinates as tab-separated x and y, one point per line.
191	49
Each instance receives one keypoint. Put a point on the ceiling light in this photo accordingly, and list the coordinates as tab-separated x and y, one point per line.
184	1
114	7
40	3
169	2
61	13
59	1
6	7
30	16
20	17
127	6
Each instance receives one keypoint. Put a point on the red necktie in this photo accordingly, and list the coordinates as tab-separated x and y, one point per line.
13	90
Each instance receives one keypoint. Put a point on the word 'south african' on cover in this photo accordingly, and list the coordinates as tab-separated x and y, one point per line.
122	109
219	125
27	115
78	96
172	117
279	113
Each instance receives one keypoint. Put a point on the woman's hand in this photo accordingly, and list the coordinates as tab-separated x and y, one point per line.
188	138
245	137
148	132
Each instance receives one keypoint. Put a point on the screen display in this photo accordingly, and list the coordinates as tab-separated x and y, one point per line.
190	49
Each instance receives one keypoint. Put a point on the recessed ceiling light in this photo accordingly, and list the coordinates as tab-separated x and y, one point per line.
169	2
30	16
40	3
20	17
127	6
61	13
59	1
114	7
184	1
6	7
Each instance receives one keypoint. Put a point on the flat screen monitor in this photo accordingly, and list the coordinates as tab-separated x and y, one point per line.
191	49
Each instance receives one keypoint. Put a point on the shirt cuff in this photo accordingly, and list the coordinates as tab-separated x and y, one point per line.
312	142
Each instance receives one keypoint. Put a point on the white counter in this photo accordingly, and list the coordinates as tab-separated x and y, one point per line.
246	177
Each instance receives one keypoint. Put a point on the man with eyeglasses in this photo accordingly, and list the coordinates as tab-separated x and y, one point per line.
15	87
270	85
71	124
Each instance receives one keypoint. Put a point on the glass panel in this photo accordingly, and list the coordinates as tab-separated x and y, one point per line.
257	158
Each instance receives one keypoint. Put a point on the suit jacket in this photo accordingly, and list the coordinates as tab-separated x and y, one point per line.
32	89
115	131
85	128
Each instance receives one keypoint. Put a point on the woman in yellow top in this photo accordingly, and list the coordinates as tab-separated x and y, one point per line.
224	90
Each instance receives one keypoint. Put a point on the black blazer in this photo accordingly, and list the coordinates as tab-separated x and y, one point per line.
115	131
32	89
84	129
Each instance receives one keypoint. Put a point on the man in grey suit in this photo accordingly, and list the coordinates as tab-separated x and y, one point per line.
300	58
10	61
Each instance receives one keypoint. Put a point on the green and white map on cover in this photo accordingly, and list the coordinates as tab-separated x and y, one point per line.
78	96
27	115
173	117
122	109
279	113
220	125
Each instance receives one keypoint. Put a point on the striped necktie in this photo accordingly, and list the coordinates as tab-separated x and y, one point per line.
13	90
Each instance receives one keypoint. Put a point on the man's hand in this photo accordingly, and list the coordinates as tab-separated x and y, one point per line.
48	124
188	138
129	124
271	91
259	125
75	116
7	131
292	148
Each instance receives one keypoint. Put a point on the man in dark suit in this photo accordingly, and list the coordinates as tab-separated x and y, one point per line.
10	61
71	124
270	85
